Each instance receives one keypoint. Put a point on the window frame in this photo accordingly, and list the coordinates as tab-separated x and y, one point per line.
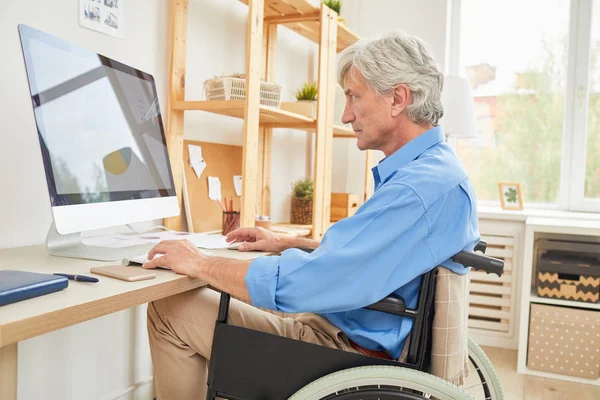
571	195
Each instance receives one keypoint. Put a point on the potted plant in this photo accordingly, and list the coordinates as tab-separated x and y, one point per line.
302	202
335	5
306	101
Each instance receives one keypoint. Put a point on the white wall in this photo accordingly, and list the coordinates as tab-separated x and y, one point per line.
426	19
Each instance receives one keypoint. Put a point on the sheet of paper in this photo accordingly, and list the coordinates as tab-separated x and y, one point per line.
201	240
209	241
237	184
196	160
214	188
199	168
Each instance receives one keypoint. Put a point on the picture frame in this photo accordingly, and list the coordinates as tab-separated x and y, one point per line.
511	196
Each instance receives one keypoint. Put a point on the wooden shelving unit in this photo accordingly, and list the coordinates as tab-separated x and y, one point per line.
318	24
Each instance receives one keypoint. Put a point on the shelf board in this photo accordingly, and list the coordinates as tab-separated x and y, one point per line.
278	11
340	131
551	375
269	116
559	302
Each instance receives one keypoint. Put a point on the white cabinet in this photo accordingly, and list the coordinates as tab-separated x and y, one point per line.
544	228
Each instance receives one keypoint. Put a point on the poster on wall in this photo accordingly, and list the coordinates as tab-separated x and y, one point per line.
104	16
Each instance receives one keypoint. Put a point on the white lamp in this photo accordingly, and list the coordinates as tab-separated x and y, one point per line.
459	109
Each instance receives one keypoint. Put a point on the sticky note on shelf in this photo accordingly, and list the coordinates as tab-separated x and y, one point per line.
196	160
214	188
237	184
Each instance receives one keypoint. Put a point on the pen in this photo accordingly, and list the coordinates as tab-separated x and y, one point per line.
79	278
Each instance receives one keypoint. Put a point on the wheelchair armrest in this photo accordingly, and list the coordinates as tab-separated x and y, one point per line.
305	249
391	305
479	262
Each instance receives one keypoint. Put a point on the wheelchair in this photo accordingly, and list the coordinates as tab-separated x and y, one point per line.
252	365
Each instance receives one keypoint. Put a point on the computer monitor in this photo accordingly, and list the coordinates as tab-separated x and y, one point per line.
102	142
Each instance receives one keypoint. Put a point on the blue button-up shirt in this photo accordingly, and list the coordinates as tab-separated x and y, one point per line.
423	211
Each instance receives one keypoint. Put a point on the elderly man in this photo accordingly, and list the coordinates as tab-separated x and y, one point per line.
423	212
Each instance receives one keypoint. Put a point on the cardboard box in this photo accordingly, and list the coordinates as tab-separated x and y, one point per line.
338	213
343	205
345	200
564	340
568	275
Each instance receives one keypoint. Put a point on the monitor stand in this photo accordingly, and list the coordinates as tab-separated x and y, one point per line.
72	246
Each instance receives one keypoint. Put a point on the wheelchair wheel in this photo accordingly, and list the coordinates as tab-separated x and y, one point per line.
482	383
380	382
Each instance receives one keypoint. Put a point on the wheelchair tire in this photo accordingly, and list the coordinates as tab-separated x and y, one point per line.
486	372
381	382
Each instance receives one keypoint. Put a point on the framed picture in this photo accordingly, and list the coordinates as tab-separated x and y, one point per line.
511	197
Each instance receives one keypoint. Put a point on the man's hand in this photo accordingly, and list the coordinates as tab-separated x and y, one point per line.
180	256
258	239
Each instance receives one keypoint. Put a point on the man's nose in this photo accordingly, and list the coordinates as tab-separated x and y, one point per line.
347	116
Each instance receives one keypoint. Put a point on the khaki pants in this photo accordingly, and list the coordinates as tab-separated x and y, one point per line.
181	329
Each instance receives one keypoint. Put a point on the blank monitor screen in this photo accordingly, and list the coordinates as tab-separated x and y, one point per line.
98	122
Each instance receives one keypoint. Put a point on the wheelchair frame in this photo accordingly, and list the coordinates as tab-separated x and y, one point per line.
246	364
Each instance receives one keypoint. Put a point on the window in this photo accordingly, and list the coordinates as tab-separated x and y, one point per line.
533	70
592	164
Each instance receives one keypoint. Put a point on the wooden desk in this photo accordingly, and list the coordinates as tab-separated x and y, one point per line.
77	303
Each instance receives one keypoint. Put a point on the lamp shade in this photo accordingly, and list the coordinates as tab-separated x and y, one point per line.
459	109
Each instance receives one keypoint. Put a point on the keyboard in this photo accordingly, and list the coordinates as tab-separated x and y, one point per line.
143	258
137	260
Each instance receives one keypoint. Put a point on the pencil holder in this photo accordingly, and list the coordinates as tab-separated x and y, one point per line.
231	221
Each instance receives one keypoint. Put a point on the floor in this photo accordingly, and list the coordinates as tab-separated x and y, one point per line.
521	387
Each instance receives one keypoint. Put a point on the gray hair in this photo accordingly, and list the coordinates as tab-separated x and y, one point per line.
396	58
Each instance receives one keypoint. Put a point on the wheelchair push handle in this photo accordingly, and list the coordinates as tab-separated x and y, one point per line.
480	262
481	246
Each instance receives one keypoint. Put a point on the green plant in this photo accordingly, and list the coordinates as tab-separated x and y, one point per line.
303	189
308	91
511	195
335	5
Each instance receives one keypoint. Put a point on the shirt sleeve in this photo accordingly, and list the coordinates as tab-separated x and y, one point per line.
361	259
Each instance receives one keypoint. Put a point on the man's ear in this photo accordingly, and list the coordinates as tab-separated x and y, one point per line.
401	98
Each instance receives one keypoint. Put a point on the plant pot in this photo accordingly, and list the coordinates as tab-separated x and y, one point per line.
301	211
308	108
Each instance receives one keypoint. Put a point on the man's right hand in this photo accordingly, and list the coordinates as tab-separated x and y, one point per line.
257	239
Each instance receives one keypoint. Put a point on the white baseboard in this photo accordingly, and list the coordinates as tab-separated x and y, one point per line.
129	392
485	339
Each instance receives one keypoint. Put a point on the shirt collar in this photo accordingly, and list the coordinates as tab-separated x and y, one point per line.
407	153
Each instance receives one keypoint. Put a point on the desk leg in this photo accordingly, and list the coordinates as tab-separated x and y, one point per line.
8	372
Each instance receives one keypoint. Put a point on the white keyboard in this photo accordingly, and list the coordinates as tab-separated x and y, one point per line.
143	258
137	260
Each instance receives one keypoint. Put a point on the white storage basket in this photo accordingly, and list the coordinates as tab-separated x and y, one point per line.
228	88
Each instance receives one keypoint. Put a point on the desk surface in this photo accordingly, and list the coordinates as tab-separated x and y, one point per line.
81	301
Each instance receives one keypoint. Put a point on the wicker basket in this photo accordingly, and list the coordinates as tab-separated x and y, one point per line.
229	88
301	211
